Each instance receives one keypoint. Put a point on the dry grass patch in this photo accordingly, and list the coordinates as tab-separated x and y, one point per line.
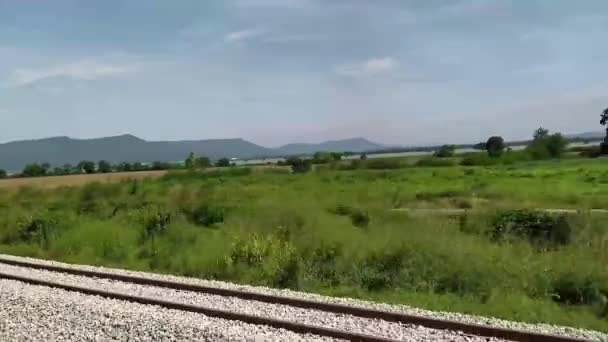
76	180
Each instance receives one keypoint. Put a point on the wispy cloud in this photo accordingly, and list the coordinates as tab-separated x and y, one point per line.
293	38
476	8
83	70
243	35
371	68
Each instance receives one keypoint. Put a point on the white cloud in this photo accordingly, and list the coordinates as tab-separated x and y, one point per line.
83	70
371	68
243	35
293	38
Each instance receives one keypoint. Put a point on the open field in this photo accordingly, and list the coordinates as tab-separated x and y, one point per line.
333	232
76	180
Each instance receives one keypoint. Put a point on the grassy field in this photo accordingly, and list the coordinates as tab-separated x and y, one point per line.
333	232
76	180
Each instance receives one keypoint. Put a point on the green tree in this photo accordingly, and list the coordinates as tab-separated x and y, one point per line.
104	166
137	166
202	162
547	145
124	167
299	165
3	174
495	146
157	165
223	162
540	134
190	161
58	171
337	156
445	151
363	156
604	122
87	166
34	170
556	145
67	169
322	157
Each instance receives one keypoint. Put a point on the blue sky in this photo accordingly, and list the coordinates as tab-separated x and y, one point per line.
279	71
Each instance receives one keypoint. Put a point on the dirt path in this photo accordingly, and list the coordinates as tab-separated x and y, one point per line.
461	211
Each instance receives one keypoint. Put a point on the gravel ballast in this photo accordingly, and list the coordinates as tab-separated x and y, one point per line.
343	322
389	329
37	313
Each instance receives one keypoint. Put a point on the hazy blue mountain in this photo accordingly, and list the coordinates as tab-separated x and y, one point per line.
61	150
350	145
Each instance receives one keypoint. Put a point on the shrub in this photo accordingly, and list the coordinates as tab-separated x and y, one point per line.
38	229
445	151
299	165
321	262
94	197
268	260
571	289
462	284
537	227
381	269
358	217
206	215
589	152
154	220
222	162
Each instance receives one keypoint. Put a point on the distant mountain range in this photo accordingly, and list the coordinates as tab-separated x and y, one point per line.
62	150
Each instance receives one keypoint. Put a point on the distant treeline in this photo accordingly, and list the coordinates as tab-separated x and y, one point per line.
103	166
479	146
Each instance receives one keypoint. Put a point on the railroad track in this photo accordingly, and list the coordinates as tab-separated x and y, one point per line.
50	275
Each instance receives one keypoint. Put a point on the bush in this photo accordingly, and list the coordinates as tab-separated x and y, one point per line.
358	217
445	151
299	165
39	230
268	260
381	270
321	262
222	162
154	221
537	227
588	152
570	289
206	215
462	284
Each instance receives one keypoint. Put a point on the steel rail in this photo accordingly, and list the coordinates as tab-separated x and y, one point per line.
429	322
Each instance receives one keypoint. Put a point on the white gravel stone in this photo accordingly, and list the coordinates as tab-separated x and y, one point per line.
36	313
541	328
349	323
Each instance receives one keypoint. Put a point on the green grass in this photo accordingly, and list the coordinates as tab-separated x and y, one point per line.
309	232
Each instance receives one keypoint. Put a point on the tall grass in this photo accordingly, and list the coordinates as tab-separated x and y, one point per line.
332	232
